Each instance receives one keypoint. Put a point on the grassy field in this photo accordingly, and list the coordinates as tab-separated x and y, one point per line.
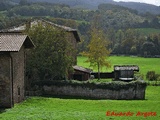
145	64
40	108
147	31
47	108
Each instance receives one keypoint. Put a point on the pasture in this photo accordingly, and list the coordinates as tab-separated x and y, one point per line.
148	31
145	64
67	108
41	108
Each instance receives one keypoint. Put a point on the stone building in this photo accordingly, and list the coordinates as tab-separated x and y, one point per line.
12	67
71	34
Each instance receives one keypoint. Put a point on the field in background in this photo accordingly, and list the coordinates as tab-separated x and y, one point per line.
41	108
147	31
67	108
145	64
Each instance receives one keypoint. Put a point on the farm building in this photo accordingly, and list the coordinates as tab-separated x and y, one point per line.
80	73
71	36
12	67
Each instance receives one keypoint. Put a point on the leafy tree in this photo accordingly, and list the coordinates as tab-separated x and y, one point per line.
50	59
148	49
97	50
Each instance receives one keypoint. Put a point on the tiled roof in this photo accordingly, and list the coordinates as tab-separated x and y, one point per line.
69	29
126	67
82	69
14	41
22	27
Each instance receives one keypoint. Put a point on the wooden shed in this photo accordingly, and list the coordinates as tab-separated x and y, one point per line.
12	67
125	72
80	73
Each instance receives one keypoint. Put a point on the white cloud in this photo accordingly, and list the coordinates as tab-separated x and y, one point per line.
154	2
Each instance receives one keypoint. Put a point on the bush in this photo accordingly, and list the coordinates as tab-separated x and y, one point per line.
151	75
113	85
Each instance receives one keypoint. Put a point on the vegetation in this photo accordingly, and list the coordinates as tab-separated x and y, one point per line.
40	108
97	56
121	25
151	75
112	85
145	64
49	59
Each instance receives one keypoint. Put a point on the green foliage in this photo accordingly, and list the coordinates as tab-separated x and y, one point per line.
5	5
113	85
144	64
151	75
115	21
64	108
115	8
23	2
97	50
148	31
50	59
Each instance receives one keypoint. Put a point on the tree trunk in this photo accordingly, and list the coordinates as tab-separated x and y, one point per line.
98	71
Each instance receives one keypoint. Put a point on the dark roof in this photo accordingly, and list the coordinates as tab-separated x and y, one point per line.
14	41
82	69
68	29
126	67
22	27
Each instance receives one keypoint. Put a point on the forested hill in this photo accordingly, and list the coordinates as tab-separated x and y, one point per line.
119	23
93	4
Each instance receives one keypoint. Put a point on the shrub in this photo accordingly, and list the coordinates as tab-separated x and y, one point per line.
151	75
158	77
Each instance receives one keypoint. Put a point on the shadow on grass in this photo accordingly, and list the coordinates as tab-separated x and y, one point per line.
2	110
71	97
86	98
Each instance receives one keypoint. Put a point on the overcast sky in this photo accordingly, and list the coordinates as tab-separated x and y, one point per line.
154	2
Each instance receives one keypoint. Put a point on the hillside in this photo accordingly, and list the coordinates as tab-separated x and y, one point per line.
93	4
116	21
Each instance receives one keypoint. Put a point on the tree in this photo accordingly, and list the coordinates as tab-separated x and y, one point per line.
50	59
148	49
97	50
23	2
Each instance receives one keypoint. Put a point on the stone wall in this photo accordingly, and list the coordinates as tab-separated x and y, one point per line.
125	92
18	59
73	45
12	75
5	81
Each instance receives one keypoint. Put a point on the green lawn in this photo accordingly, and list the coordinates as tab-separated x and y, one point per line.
40	108
147	31
145	64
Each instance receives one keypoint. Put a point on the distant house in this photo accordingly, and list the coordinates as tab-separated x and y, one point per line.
72	34
12	67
